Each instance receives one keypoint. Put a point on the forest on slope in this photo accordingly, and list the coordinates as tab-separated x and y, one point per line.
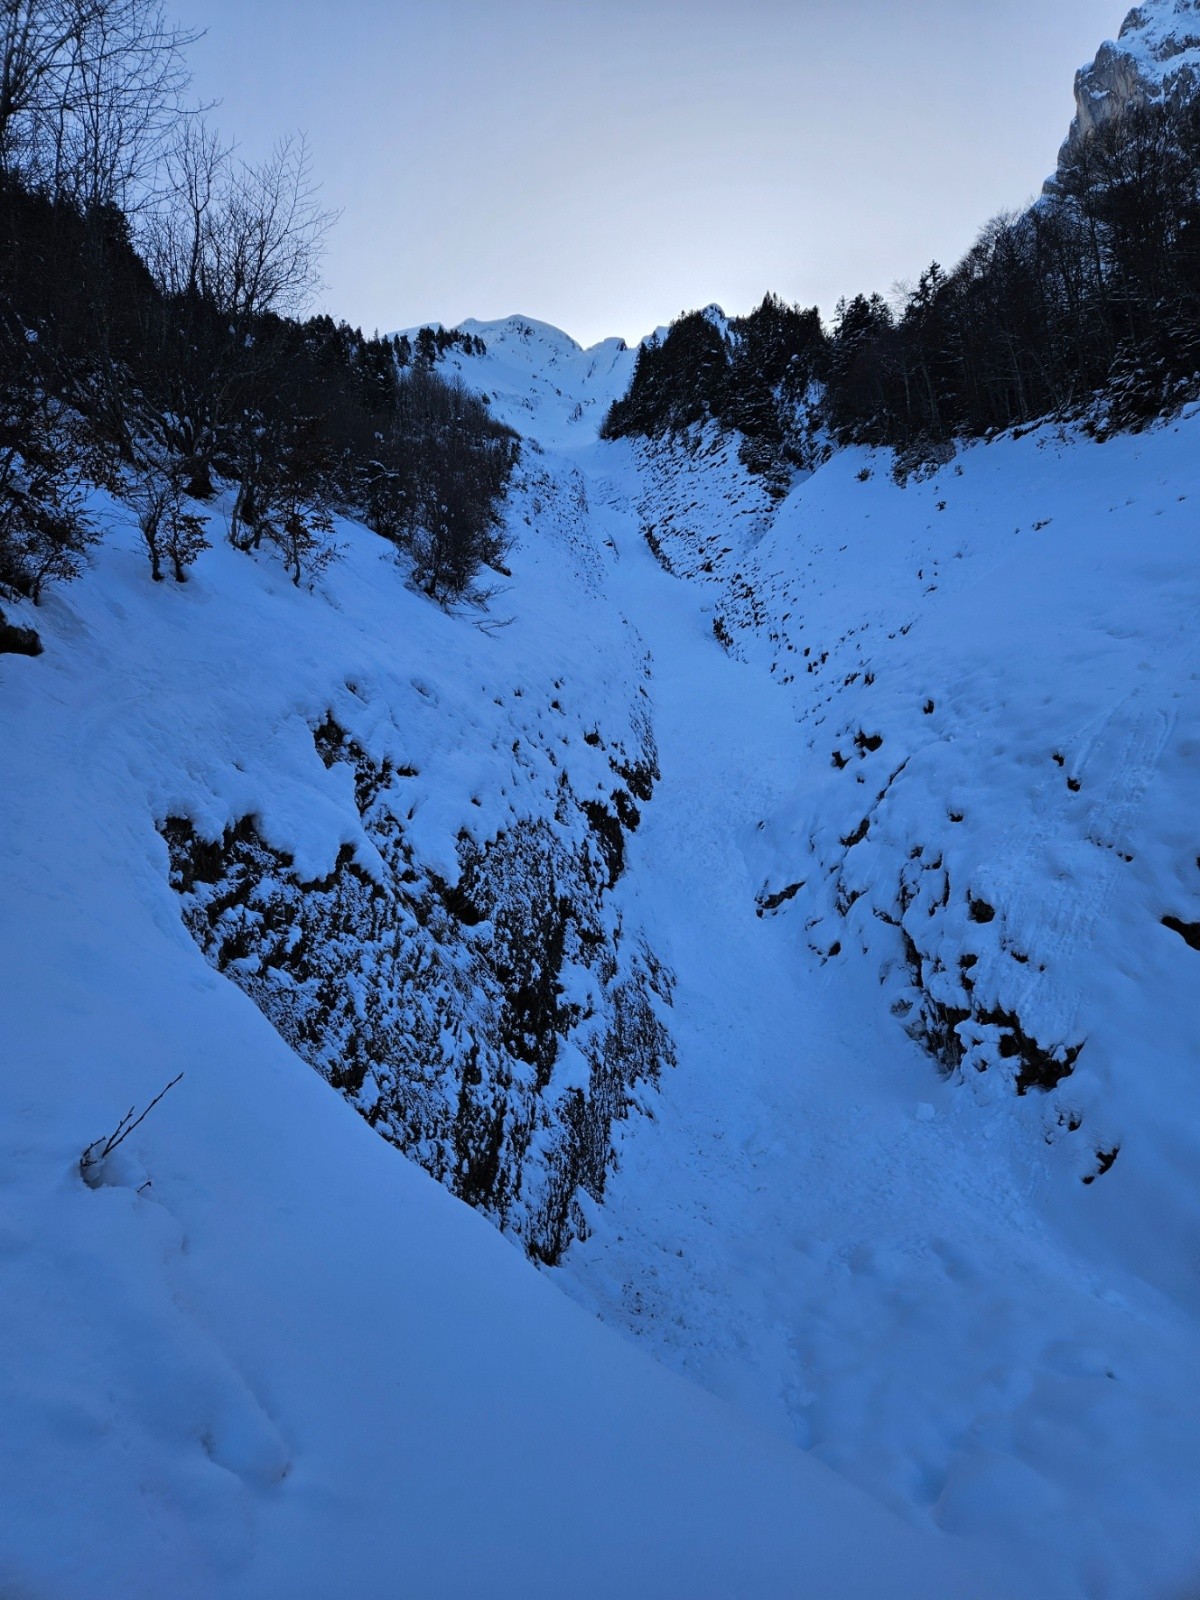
149	342
1087	305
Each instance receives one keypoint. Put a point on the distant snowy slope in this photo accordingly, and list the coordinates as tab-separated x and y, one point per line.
264	1354
533	370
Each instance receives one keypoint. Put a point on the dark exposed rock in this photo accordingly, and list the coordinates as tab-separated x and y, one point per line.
1189	932
1039	1068
771	902
938	1026
609	834
18	641
858	834
448	1012
1104	1160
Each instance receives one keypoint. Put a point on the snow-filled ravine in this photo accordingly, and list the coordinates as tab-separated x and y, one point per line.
854	1094
923	1191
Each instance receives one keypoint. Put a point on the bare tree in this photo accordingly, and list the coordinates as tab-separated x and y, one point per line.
168	527
282	497
35	43
124	102
228	242
266	234
248	238
178	236
90	92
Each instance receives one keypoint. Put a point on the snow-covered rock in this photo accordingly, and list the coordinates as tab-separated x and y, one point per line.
1155	56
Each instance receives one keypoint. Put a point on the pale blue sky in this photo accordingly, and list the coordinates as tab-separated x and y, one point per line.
604	166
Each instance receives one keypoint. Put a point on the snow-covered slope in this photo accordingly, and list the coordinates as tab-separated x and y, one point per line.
260	1353
920	1193
923	1195
539	380
914	901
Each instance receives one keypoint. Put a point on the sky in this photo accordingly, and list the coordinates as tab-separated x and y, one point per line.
605	164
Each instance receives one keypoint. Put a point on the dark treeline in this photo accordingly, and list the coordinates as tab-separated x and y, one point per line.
149	342
1086	305
755	374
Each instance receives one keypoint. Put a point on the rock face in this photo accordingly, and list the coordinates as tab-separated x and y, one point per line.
1156	55
493	1028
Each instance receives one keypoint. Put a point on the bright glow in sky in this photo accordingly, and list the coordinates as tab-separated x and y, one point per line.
605	164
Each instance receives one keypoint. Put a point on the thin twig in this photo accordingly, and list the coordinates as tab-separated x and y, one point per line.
122	1130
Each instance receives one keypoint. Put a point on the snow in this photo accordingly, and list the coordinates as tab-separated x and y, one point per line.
1162	36
906	1276
888	1341
538	379
932	1284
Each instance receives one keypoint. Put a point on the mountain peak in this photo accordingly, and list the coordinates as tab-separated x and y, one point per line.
1156	55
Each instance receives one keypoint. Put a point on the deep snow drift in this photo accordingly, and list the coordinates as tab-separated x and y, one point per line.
908	736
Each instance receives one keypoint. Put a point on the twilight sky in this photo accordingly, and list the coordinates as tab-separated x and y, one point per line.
605	164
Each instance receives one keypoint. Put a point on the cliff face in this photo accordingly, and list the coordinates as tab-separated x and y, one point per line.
1155	55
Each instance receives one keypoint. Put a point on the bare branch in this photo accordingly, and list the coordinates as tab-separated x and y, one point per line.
100	1149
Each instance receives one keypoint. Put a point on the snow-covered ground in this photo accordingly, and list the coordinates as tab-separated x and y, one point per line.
293	1364
924	1280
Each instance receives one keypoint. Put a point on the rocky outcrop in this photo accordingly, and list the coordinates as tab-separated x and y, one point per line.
1155	56
493	1028
18	641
